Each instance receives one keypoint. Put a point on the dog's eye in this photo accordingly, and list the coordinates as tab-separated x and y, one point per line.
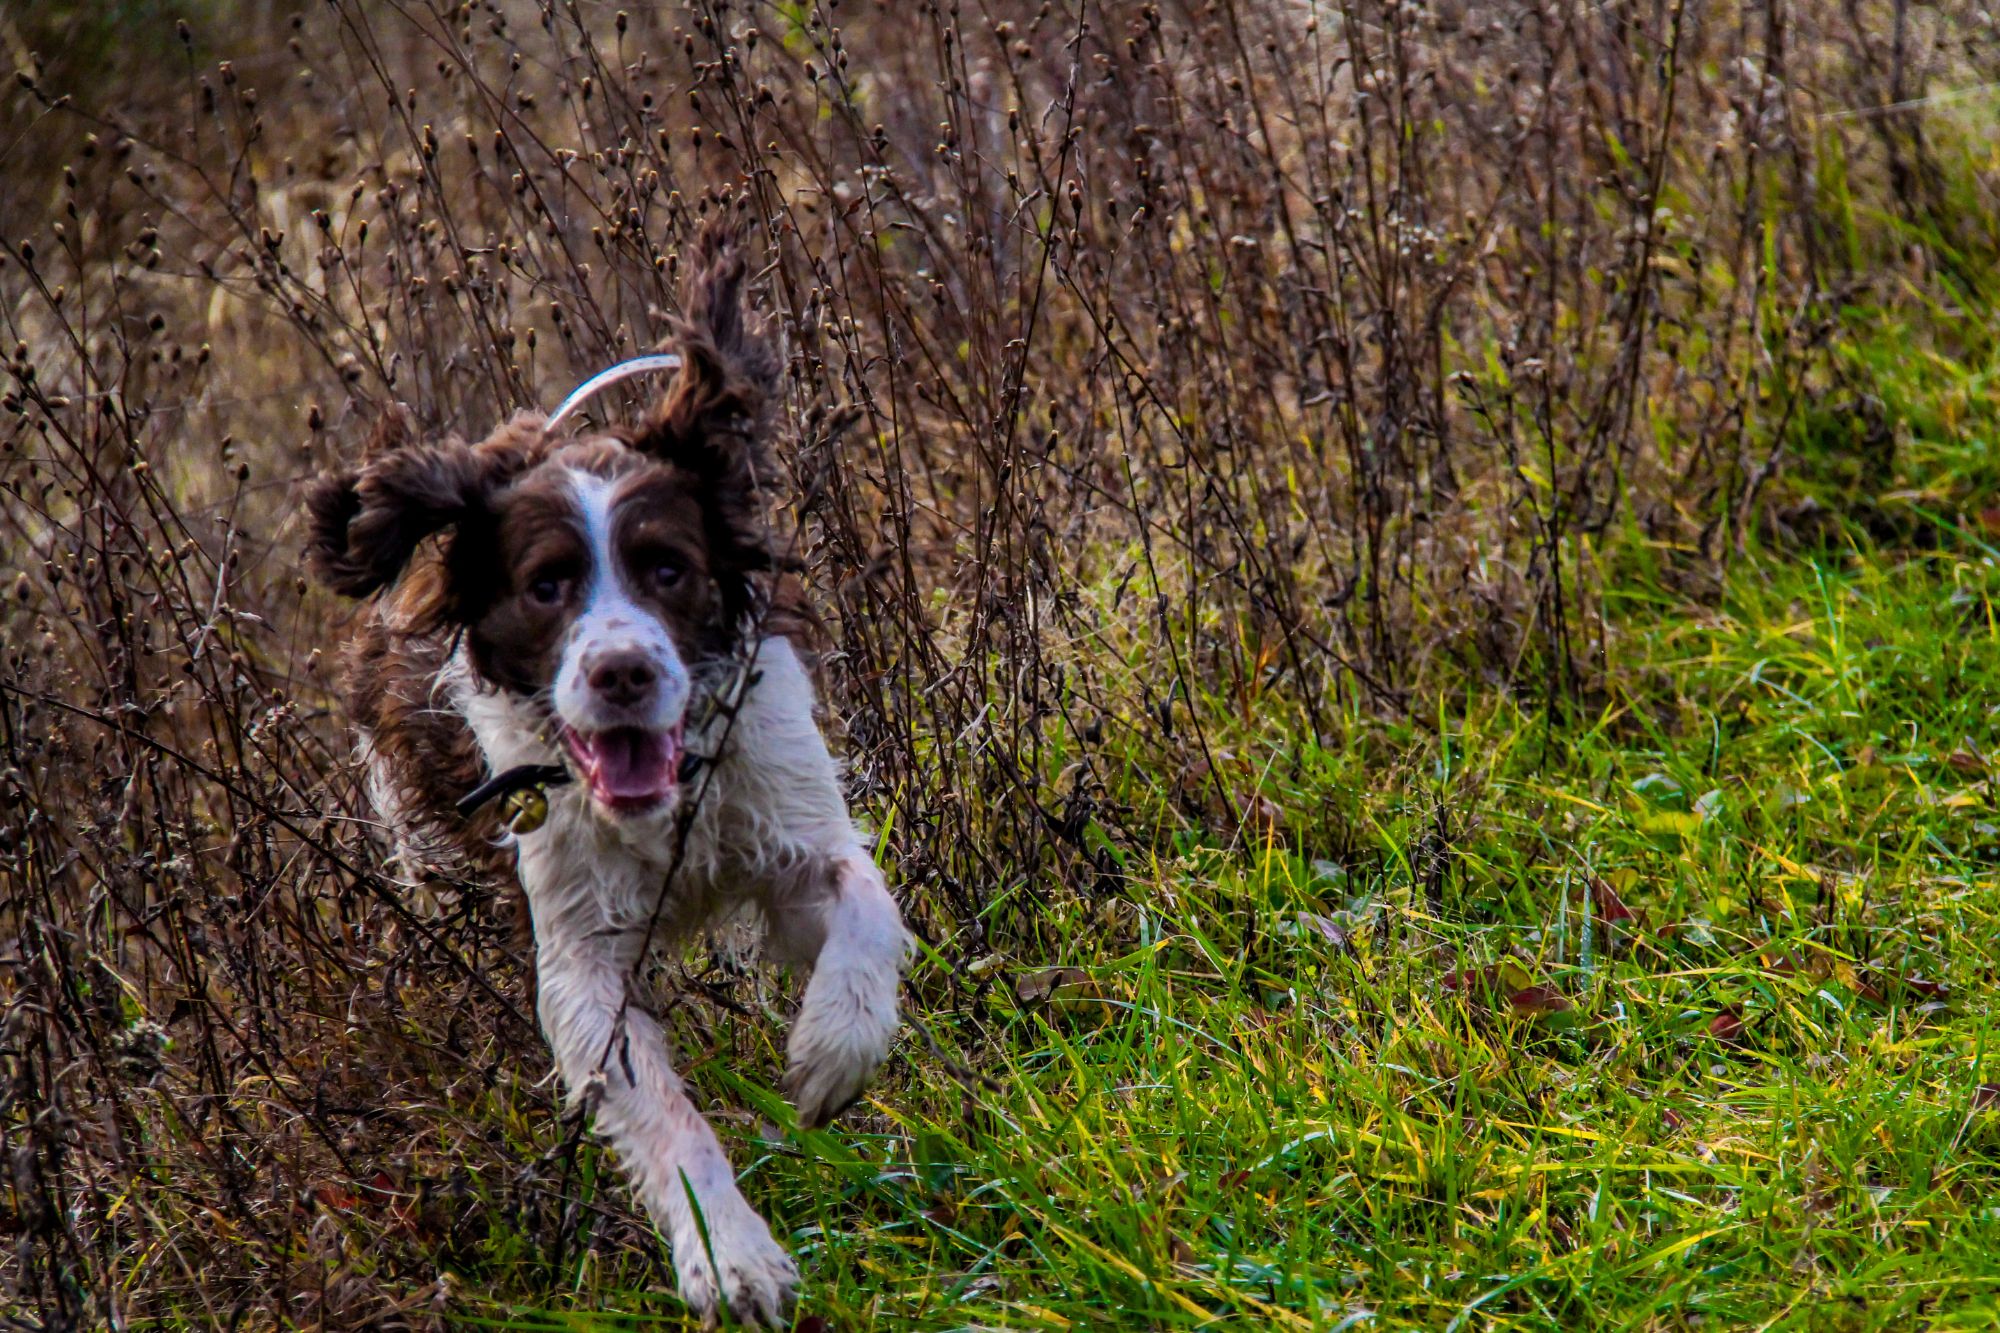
547	591
666	573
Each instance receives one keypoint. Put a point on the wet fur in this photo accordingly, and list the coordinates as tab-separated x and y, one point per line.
443	682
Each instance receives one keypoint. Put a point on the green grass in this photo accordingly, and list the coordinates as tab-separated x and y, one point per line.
1280	1093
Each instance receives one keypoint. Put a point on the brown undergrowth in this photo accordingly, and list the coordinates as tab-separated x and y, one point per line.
1211	360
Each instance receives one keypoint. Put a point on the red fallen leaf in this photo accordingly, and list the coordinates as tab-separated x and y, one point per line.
1537	1000
1477	982
1234	1179
812	1323
1990	520
1781	966
336	1198
381	1194
1610	906
1727	1025
1986	1096
1674	1119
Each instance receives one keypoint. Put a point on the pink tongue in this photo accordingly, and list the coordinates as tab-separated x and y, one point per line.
630	763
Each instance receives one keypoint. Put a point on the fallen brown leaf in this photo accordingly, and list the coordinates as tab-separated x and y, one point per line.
1535	1001
1898	987
1504	977
1781	965
1610	907
1050	982
1325	927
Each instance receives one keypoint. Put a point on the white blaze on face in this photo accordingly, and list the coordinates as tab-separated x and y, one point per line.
625	742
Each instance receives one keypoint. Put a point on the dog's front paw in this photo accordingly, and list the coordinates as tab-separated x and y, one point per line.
750	1272
841	1037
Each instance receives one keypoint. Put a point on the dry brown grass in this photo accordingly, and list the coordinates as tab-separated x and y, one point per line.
1212	359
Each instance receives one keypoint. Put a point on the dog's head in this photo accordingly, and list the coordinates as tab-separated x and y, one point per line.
592	578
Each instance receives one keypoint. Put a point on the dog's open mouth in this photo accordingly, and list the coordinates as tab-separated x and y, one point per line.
627	770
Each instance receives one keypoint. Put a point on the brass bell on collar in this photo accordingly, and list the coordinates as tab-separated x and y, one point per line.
525	809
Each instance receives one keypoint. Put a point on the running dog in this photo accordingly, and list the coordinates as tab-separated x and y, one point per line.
599	638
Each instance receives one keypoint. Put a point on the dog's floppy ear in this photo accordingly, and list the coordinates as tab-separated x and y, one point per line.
716	416
366	525
713	418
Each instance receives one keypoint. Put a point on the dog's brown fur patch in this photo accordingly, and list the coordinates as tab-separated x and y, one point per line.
418	523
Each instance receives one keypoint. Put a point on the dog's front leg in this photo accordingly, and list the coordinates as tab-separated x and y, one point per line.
837	915
614	1053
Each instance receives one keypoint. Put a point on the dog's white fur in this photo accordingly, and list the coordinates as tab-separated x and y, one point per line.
771	832
612	622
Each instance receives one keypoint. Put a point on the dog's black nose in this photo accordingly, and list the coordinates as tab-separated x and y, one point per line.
623	676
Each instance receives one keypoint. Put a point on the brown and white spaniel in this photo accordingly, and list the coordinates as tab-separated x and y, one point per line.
606	610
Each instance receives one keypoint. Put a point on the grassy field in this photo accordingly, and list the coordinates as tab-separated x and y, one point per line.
1674	1013
1411	600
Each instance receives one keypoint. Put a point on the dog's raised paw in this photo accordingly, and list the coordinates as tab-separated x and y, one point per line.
842	1035
751	1274
821	1092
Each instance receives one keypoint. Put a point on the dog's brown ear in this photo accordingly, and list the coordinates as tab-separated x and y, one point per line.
366	525
715	419
716	412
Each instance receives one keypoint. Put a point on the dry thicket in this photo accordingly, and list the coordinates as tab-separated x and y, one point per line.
1215	362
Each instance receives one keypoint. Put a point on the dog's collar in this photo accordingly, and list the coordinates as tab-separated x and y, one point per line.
523	793
604	379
